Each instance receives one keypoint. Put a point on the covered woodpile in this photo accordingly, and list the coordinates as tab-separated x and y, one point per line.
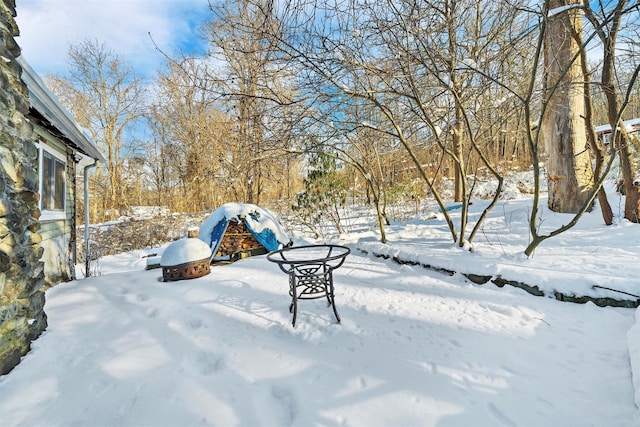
240	230
237	238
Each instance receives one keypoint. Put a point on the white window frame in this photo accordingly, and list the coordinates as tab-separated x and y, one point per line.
51	214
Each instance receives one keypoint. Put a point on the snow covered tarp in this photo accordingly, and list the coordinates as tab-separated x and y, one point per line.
260	222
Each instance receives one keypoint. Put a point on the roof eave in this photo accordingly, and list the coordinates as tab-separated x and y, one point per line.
45	103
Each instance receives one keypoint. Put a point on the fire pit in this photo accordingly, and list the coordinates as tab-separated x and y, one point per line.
310	269
185	259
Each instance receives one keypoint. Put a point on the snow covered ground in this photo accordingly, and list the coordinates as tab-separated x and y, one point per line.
415	347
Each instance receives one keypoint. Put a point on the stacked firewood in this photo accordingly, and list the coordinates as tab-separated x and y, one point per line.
237	238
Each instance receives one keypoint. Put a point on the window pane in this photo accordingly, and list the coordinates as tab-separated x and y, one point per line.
53	183
47	182
58	202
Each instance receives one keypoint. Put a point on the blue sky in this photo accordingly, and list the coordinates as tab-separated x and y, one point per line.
48	27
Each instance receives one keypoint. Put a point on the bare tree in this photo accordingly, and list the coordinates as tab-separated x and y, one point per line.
253	84
425	67
106	97
593	141
161	168
569	171
538	236
607	25
194	134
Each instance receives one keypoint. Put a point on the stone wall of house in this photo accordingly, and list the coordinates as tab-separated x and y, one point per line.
22	317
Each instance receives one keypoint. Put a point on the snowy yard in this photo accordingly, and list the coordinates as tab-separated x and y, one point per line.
415	347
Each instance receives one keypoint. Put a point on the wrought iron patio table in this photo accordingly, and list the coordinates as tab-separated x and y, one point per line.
310	269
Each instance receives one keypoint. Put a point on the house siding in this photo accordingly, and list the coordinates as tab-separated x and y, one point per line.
58	235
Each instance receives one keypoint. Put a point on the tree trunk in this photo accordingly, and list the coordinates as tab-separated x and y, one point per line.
569	171
460	173
596	146
631	181
622	139
605	207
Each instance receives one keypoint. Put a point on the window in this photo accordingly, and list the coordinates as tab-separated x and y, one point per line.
52	184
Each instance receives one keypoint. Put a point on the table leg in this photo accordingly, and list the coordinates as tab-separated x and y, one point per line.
293	308
332	298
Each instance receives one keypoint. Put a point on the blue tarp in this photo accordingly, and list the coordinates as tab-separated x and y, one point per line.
266	237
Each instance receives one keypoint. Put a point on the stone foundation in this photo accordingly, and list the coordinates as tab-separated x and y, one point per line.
22	317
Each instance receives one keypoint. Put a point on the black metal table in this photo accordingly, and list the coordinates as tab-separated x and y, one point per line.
310	269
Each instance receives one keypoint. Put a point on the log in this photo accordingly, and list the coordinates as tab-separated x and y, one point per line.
237	238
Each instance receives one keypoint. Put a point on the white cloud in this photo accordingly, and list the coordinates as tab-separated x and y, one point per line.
48	27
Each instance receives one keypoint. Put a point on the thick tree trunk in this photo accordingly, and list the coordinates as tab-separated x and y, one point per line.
569	170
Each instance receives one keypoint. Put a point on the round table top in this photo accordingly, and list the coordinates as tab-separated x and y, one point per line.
309	254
